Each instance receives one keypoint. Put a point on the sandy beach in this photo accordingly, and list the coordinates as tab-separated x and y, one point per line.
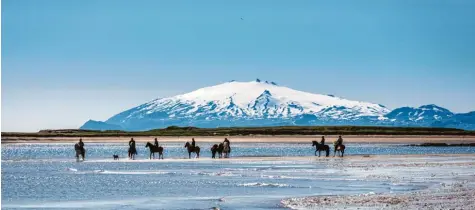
415	139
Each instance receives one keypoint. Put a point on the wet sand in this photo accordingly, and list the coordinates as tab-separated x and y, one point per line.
415	139
450	181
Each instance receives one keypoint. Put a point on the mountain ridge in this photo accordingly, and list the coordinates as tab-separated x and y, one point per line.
265	103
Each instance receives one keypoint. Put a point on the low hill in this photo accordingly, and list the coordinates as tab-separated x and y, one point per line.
245	131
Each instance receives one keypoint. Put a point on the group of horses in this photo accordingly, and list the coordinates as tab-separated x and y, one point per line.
322	147
223	150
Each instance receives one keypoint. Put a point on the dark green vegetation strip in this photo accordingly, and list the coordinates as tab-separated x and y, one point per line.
246	131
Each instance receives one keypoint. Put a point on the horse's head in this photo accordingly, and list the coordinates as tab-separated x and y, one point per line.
314	143
148	144
187	144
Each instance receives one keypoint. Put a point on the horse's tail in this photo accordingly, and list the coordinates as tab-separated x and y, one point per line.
328	152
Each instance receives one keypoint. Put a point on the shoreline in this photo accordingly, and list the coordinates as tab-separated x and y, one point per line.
402	139
453	187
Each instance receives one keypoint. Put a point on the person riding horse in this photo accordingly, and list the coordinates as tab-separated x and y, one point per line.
322	142
226	140
156	142
193	142
338	142
132	149
339	147
79	147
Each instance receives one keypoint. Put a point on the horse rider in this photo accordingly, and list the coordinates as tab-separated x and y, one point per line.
339	142
193	142
156	142
229	143
80	143
322	142
132	145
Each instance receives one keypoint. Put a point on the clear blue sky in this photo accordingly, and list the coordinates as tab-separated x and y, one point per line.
64	62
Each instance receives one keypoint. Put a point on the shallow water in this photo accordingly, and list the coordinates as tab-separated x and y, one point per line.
47	176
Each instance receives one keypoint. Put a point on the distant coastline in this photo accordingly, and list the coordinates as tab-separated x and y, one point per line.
287	134
249	131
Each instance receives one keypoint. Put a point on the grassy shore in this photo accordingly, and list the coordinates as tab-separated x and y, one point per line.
250	131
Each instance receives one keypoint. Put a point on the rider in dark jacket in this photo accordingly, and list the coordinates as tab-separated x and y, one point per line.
339	142
81	144
193	142
132	145
156	142
229	144
322	142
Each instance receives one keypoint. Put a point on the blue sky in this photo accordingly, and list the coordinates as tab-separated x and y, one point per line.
64	62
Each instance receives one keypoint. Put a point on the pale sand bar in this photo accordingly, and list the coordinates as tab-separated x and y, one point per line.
403	139
450	181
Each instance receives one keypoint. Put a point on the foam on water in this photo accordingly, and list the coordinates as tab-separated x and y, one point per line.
260	184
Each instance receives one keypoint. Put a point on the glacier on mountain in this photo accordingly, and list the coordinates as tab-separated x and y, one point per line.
263	103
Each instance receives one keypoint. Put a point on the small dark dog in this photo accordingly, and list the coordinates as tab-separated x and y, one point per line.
116	157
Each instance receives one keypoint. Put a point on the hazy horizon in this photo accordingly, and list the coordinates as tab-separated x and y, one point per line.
65	62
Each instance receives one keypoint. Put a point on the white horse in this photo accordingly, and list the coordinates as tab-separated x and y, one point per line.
226	149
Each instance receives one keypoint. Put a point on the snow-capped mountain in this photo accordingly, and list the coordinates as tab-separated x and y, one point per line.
422	116
263	103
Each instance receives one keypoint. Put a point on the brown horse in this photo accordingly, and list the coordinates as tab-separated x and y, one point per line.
191	149
154	149
321	147
341	149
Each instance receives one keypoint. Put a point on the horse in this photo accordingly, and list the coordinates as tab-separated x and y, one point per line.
321	147
132	153
217	149
191	149
341	149
79	151
220	150
154	149
226	149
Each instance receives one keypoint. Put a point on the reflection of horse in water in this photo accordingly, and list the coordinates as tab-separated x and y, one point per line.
339	148
321	147
132	153
154	149
79	151
191	149
226	149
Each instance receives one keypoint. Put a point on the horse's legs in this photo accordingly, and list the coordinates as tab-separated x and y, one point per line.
189	155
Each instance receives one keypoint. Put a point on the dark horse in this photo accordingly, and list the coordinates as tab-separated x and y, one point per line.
132	152
321	147
340	148
217	148
191	149
80	151
154	149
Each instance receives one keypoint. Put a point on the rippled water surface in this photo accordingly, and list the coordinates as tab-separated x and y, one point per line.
47	176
